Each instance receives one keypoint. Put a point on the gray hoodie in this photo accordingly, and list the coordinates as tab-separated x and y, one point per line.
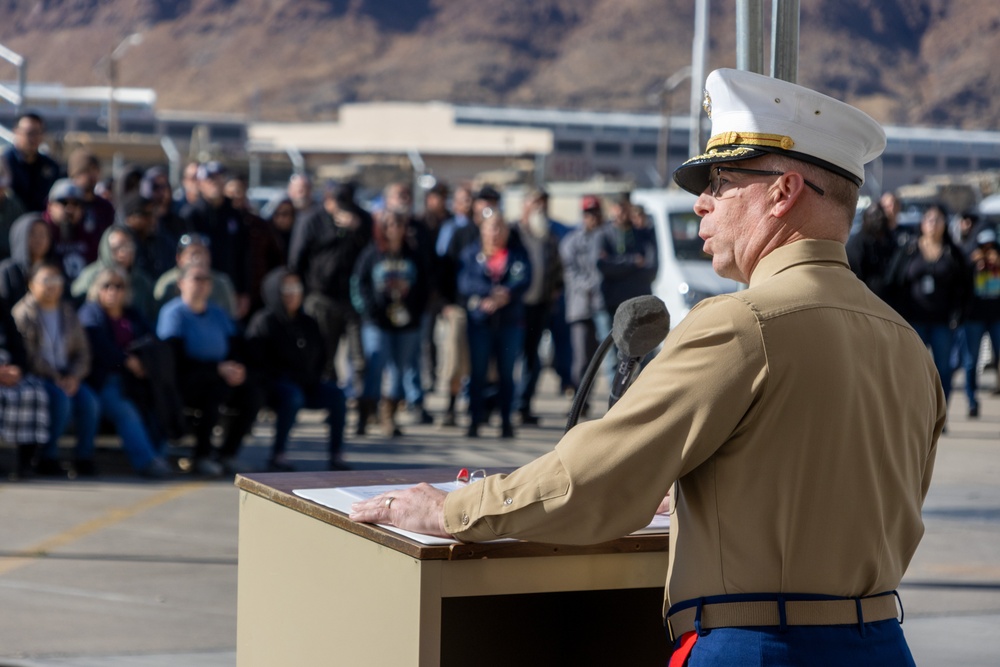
14	270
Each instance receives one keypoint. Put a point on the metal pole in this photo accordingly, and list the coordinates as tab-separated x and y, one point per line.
785	40
112	106
699	54
750	35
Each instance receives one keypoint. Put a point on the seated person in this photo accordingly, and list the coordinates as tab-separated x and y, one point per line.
58	353
118	251
24	405
30	242
205	340
113	329
193	249
286	349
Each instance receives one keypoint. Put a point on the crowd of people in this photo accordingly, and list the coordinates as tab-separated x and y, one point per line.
160	313
943	277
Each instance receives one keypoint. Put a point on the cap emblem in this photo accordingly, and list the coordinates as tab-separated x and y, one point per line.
706	104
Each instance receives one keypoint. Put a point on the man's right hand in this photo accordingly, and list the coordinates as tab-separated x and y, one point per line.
9	375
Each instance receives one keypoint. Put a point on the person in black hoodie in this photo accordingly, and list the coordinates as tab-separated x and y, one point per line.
286	351
30	244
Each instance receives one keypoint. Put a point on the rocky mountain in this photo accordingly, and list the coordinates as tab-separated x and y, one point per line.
921	62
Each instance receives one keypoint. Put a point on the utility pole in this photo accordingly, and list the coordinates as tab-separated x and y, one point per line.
699	54
750	35
785	40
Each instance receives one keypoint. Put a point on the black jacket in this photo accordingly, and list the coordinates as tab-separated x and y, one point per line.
228	237
283	347
323	254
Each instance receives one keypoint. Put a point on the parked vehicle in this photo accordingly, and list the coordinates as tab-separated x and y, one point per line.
685	276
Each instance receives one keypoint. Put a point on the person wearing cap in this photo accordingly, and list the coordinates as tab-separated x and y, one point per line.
73	245
214	216
584	300
84	169
194	249
795	422
32	173
154	249
983	314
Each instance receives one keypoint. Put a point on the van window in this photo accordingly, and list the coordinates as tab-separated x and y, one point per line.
684	230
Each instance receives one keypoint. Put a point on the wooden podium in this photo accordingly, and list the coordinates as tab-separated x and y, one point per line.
316	588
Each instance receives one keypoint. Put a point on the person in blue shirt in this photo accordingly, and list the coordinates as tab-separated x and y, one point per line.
206	342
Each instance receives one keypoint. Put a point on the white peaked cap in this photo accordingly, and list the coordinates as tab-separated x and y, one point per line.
753	115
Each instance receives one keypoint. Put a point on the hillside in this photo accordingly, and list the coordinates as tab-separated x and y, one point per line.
922	62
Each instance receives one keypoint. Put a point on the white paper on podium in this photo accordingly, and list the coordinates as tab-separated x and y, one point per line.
341	499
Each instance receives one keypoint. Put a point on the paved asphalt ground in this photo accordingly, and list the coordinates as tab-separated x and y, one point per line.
121	573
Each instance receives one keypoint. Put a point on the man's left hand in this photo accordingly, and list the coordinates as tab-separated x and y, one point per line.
419	509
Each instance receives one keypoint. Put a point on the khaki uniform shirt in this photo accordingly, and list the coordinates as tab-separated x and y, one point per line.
799	419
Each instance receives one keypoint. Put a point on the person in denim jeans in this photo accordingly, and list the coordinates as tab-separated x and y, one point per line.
287	355
390	288
58	353
113	328
984	310
935	287
492	281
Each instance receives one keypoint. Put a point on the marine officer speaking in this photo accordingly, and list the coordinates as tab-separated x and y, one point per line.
795	422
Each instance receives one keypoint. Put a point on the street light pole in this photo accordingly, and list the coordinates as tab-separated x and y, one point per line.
132	40
663	145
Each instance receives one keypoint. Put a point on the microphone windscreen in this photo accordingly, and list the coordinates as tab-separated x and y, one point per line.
641	323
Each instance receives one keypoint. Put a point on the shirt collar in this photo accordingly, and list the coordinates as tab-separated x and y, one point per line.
809	251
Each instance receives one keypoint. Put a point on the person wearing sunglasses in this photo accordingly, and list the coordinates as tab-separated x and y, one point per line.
794	423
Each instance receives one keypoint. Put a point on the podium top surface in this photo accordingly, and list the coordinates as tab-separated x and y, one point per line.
278	488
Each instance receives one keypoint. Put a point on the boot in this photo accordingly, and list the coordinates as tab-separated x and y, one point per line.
25	466
366	408
387	418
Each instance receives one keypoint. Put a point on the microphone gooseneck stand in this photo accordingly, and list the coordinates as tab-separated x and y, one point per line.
587	382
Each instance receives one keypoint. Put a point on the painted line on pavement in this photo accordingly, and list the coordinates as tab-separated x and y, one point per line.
110	518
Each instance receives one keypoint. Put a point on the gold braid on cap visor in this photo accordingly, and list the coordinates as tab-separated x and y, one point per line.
781	141
739	152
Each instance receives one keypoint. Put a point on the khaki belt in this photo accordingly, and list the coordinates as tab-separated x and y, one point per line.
797	612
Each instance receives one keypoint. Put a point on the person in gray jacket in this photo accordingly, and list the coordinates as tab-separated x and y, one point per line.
584	300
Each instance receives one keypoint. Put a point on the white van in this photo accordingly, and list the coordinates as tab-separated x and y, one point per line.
685	276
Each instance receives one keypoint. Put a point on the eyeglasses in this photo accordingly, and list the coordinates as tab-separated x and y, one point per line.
70	202
193	239
716	181
52	281
113	286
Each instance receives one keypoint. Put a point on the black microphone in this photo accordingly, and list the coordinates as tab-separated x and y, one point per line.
641	323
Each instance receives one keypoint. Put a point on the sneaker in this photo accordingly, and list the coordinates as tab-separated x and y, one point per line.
449	419
85	468
232	466
156	469
424	417
473	431
49	468
528	419
280	465
973	411
206	468
507	432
